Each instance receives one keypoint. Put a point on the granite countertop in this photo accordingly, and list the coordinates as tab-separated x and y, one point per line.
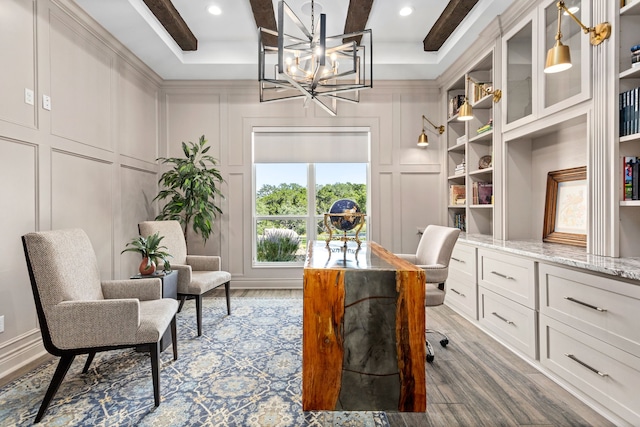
628	268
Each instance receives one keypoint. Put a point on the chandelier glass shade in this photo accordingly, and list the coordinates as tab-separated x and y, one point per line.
297	63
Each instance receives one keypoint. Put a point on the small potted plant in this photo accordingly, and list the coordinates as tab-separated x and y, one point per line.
151	251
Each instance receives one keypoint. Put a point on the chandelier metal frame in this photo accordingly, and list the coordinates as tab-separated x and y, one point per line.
312	66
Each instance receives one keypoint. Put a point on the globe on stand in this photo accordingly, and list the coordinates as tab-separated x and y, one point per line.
344	215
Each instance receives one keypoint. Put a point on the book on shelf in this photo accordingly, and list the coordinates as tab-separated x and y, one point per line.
461	139
485	128
482	193
631	178
480	90
457	194
460	169
455	102
460	221
629	112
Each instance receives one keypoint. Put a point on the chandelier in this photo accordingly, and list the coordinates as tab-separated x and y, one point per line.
297	63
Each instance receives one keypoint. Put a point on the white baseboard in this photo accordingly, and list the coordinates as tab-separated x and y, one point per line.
20	352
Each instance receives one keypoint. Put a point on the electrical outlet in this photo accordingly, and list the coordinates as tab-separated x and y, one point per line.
29	97
46	102
1	324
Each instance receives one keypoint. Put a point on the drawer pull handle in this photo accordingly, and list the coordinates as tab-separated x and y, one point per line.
575	359
509	322
504	276
459	260
585	304
459	293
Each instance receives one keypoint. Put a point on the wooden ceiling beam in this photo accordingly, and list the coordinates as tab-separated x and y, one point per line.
357	17
446	24
171	20
265	17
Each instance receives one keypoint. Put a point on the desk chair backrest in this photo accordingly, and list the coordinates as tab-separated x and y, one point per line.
434	251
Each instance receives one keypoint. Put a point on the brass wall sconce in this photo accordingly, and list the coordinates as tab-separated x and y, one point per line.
423	141
466	111
559	57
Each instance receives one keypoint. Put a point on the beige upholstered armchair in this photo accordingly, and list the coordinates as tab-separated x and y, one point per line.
433	255
197	274
80	314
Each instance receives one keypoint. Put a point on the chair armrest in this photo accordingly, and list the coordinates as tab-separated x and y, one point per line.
407	257
184	275
79	324
204	262
142	289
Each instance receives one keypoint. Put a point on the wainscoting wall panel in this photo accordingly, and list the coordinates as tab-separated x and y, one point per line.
84	203
137	134
417	192
18	216
17	41
81	84
138	187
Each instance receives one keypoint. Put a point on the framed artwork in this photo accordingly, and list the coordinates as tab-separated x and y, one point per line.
565	209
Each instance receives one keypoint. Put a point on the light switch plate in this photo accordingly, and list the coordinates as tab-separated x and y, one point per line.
1	324
46	102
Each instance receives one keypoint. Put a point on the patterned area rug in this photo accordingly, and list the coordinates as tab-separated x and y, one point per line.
245	370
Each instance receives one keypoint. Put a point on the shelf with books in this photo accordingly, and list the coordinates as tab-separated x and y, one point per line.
480	172
631	73
630	138
484	102
482	137
465	143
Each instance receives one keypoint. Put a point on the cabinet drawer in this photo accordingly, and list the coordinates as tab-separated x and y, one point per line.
510	276
605	308
463	263
515	324
463	296
606	374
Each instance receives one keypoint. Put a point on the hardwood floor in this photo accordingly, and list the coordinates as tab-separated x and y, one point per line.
475	381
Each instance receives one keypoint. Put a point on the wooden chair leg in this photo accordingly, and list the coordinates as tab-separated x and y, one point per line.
154	350
174	338
226	290
182	299
199	313
58	376
90	357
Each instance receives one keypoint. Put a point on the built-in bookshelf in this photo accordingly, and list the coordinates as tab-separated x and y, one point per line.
470	150
629	128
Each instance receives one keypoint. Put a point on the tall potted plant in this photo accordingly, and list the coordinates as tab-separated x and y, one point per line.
190	188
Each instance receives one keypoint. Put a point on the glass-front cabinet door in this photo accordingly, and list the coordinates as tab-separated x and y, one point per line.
570	86
518	71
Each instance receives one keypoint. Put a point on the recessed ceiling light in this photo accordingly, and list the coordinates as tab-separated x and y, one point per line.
214	10
406	11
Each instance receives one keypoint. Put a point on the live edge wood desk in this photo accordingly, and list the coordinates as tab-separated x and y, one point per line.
363	343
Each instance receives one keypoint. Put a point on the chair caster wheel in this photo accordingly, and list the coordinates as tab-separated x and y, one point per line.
430	358
444	342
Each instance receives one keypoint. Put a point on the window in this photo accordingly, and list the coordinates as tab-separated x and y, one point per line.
291	195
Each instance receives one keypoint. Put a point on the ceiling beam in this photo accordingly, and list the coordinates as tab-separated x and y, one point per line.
171	20
448	21
357	17
265	17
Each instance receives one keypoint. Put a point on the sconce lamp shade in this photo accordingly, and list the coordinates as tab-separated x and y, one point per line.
423	141
558	58
466	111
